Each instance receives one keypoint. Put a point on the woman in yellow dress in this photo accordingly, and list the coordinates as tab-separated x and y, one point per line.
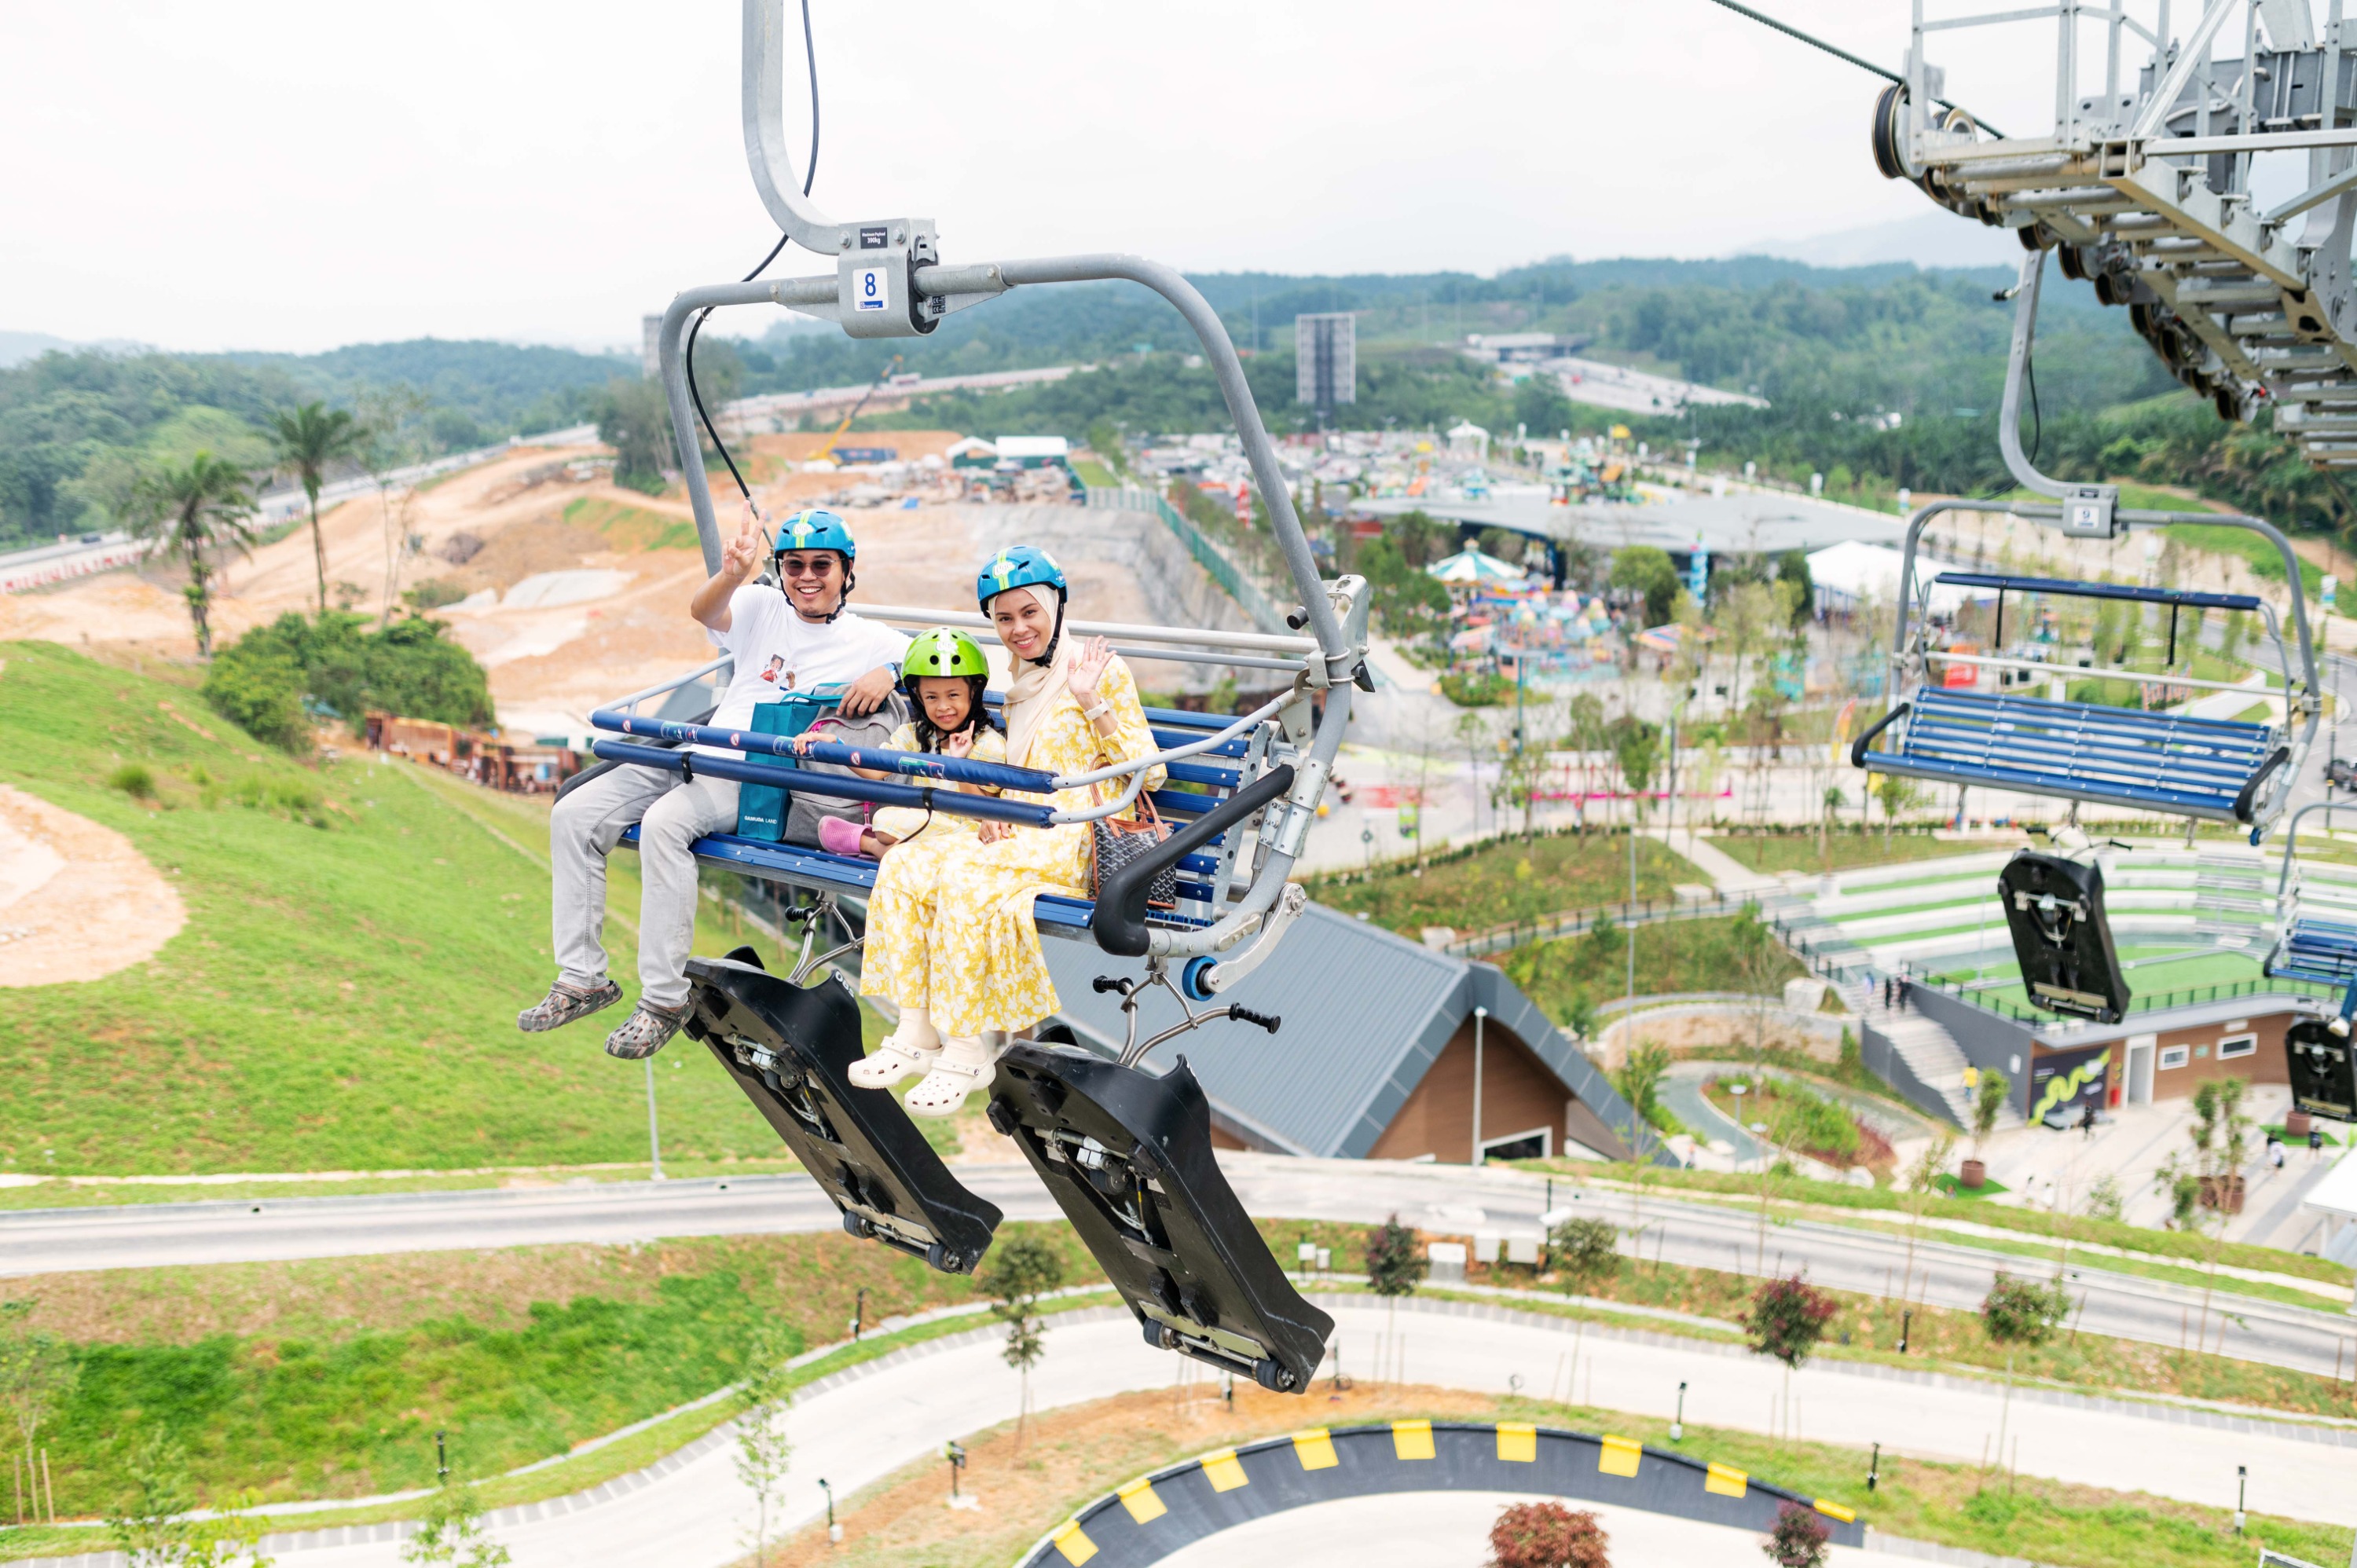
949	935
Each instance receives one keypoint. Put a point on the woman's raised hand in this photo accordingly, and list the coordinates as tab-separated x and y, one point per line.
958	744
741	556
1088	669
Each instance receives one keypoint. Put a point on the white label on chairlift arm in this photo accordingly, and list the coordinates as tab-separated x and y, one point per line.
871	288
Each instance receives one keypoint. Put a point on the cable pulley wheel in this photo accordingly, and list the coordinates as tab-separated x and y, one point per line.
1890	126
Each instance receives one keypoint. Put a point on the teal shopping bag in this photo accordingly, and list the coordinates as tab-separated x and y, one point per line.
761	807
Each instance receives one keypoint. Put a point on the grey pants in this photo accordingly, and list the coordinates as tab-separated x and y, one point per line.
583	829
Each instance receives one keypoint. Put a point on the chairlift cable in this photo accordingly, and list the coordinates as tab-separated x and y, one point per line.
1842	54
810	175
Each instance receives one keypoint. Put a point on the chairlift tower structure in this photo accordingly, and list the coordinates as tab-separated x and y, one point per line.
2144	186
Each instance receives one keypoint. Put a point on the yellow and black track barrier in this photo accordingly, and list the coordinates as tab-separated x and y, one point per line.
1156	1515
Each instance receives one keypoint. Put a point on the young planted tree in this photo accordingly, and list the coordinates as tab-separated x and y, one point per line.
150	1522
1395	1264
391	439
1547	1535
1586	1252
1788	1317
193	510
38	1374
311	439
452	1532
1798	1539
2203	1183
1989	1103
1918	1189
2023	1312
763	1453
1021	1270
1639	1079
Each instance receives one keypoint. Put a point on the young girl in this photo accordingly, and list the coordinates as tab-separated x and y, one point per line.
944	675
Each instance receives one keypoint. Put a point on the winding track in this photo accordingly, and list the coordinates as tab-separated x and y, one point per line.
1441	1197
898	1412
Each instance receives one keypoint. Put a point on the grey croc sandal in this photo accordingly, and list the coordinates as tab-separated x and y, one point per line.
566	1005
645	1032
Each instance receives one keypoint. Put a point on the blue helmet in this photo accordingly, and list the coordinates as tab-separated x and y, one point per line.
814	527
1018	567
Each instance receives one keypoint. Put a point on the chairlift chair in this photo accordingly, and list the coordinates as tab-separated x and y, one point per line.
1263	776
2316	940
2227	770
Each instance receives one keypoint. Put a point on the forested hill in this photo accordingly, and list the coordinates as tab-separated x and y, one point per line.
75	428
1836	351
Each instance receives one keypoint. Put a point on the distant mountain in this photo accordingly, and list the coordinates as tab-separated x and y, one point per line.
1930	239
16	348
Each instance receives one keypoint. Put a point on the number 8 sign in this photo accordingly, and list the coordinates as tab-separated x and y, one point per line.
871	288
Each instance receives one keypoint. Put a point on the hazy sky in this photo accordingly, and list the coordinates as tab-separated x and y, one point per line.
281	175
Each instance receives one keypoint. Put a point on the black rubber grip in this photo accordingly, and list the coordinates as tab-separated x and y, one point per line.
2250	790
1104	982
1269	1021
1119	922
1858	748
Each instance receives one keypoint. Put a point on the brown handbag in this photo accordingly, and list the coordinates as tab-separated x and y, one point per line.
1120	840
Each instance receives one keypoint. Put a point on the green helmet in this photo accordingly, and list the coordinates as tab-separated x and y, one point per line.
944	650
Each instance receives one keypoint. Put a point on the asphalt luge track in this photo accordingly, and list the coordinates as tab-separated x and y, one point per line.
1439	1197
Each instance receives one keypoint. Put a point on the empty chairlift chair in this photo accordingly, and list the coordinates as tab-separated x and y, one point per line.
2141	760
2316	940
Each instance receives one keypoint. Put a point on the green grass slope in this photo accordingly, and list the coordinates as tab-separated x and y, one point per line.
343	996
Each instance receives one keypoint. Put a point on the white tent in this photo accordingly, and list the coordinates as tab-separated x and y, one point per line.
1468	439
1475	566
1852	572
2334	1200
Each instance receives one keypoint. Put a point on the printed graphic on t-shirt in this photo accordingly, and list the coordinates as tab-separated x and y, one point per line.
770	671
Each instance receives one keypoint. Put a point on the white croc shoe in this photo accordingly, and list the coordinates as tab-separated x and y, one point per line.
966	1065
911	1049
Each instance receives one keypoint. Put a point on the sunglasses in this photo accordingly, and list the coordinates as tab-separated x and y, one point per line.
822	567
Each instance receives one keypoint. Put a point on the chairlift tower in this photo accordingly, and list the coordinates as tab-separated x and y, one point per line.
2144	188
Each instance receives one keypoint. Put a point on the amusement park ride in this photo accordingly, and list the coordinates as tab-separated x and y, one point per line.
2144	188
1128	1152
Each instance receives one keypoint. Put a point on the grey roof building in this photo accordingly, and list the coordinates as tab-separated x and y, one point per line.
1379	1055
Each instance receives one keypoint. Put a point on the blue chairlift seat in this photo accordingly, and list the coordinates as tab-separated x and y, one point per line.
2316	927
815	871
2210	768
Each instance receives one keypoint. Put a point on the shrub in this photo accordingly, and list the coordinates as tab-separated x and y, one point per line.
1787	1319
432	593
1547	1535
258	686
2023	1312
1393	1263
1639	1079
133	780
1798	1540
1587	1251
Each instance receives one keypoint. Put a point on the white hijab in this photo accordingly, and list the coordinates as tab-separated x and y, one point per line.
1032	693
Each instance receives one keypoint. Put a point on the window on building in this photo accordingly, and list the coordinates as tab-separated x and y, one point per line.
2238	1045
1535	1144
2175	1056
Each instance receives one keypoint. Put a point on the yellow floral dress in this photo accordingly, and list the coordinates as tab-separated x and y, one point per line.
949	925
906	823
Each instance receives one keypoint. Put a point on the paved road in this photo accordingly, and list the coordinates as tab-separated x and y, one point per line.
861	1431
1444	1197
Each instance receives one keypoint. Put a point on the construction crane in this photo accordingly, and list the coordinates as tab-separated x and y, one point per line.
2145	188
881	376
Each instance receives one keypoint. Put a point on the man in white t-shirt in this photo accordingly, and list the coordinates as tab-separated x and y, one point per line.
792	638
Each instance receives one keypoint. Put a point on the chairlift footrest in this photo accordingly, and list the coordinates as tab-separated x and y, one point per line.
2063	936
1128	1156
789	1048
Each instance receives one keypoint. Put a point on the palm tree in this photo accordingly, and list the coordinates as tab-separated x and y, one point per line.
309	438
191	509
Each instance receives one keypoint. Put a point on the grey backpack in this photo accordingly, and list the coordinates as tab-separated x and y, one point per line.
838	728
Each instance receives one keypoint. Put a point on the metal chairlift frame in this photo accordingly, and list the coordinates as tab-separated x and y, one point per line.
1141	1181
2082	511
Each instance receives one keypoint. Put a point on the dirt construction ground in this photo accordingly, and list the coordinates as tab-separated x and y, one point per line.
571	590
77	901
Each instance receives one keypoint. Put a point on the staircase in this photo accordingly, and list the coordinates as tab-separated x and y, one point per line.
1930	1054
2232	900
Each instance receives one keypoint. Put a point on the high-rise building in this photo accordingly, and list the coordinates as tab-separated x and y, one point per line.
650	345
1326	360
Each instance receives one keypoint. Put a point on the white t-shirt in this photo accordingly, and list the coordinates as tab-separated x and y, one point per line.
777	651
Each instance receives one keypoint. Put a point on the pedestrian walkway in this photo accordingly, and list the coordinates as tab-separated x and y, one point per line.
1727	874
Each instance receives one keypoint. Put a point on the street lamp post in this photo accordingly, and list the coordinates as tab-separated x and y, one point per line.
859	1315
1678	1421
833	1530
2241	1489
